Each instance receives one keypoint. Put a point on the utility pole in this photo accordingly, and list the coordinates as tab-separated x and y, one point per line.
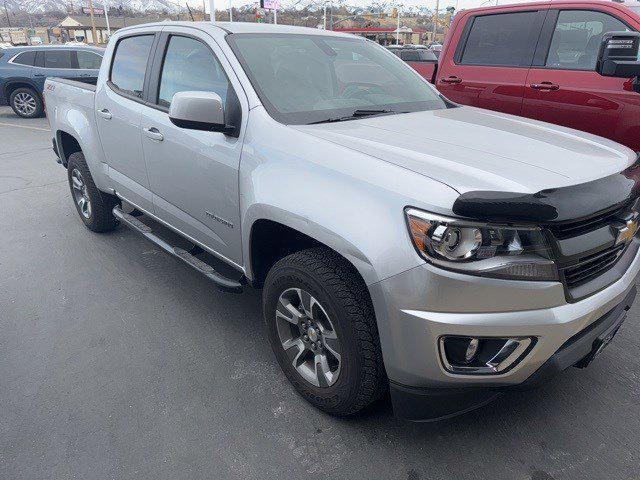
6	12
212	7
398	29
230	11
106	16
435	21
275	16
94	32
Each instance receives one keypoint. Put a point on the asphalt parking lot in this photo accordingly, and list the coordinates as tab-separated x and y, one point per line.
118	361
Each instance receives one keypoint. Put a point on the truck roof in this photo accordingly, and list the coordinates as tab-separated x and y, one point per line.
245	27
629	4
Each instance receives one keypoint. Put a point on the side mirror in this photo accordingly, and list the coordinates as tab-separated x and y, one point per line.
198	111
618	56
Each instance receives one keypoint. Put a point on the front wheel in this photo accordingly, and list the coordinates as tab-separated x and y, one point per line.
26	103
323	331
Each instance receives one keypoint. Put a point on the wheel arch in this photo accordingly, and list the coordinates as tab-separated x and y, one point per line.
13	85
271	239
67	145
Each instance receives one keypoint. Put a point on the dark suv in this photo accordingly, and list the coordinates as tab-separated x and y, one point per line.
23	71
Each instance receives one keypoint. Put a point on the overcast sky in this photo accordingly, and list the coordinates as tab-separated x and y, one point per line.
220	4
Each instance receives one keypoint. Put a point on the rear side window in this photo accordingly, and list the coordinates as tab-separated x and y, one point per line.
577	37
89	60
189	65
130	64
506	39
418	56
25	58
58	59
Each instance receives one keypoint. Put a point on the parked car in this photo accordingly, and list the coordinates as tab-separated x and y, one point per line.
540	60
23	71
401	241
436	49
419	57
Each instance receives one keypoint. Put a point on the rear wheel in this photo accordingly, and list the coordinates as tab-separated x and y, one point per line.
323	331
26	103
95	207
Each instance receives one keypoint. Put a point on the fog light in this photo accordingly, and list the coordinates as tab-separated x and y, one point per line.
482	356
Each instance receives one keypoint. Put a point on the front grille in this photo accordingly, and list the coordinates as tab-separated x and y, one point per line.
590	267
576	228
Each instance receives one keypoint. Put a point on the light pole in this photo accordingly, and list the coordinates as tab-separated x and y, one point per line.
212	7
325	15
435	21
230	12
398	29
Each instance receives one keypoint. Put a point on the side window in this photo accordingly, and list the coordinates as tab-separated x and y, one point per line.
577	37
130	64
189	65
57	59
506	39
418	56
88	60
25	58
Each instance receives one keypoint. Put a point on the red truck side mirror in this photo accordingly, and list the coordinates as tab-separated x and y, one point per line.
618	56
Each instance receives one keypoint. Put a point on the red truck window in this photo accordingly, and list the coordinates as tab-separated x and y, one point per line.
506	39
577	37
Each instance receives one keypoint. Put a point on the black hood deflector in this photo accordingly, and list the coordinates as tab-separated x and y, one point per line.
555	205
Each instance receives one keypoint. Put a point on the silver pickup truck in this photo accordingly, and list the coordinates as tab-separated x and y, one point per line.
402	242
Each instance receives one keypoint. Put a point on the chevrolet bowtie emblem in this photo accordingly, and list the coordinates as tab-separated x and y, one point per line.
627	232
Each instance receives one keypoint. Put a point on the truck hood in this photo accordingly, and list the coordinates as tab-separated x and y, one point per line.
473	149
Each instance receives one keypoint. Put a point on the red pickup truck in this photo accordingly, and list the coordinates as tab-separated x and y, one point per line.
544	61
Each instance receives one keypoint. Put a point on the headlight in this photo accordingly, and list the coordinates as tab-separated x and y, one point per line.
501	251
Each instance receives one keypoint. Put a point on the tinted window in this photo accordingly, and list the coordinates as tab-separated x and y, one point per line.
314	78
89	60
577	38
189	65
506	39
130	64
57	59
418	56
26	58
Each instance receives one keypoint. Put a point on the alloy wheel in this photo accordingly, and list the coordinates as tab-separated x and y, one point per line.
80	194
25	103
304	325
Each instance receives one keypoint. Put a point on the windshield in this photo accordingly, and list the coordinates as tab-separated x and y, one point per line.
304	79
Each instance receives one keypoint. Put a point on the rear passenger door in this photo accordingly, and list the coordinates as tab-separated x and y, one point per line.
55	63
563	86
490	64
194	174
119	103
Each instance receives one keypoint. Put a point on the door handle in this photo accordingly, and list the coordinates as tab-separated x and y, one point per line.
545	86
38	75
451	79
154	134
106	114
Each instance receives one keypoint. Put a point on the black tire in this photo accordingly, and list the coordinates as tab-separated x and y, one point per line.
340	290
26	93
100	216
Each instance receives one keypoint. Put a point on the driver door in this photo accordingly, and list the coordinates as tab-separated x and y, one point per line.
193	174
565	88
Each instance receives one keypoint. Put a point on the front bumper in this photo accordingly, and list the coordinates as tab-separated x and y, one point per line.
416	307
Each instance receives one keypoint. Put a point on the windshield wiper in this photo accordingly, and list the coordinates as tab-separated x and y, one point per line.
358	113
